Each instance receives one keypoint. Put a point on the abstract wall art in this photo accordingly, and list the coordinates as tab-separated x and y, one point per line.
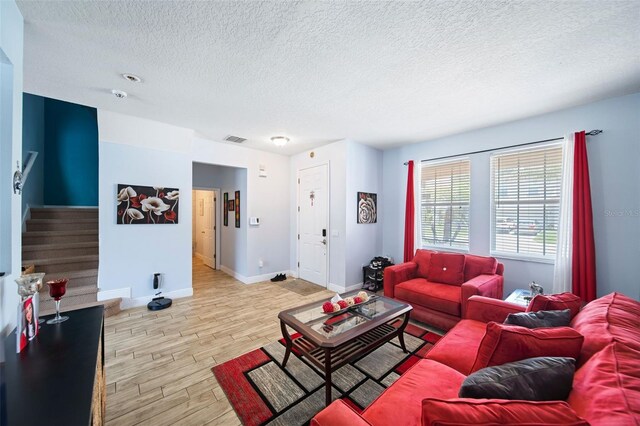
142	205
225	207
367	207
237	209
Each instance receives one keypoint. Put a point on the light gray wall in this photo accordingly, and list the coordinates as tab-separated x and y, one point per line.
614	157
364	241
233	241
131	254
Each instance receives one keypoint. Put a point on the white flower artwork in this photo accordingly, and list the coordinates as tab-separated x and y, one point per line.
137	205
367	207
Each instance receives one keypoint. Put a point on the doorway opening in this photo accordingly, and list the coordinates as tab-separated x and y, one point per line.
205	240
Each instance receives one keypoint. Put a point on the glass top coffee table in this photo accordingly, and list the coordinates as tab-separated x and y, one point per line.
330	341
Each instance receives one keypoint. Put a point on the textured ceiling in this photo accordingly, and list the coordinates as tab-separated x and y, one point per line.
380	73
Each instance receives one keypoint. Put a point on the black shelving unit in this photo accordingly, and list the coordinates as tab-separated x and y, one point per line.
371	275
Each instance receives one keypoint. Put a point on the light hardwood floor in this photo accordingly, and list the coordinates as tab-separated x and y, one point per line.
158	364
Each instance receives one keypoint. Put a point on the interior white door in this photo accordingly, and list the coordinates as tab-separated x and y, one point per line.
205	226
313	219
208	230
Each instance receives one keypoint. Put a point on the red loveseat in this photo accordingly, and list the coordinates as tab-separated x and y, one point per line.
438	285
606	384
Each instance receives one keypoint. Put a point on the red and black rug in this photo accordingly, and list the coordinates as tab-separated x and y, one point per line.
262	392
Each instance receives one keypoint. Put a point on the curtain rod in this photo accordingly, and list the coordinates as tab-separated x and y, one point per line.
589	133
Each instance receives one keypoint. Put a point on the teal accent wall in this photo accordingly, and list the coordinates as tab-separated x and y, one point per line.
70	154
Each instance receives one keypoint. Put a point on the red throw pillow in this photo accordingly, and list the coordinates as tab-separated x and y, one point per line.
606	389
479	265
423	259
556	302
464	411
504	343
446	268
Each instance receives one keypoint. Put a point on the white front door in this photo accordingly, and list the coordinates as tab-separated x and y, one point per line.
313	219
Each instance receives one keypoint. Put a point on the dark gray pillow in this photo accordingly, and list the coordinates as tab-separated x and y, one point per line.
540	319
533	379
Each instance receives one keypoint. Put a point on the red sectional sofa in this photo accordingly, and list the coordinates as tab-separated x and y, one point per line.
438	285
606	384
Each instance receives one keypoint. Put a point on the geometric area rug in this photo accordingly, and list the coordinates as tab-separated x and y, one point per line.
263	393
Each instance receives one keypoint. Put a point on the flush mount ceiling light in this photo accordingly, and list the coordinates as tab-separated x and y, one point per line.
120	94
132	78
279	140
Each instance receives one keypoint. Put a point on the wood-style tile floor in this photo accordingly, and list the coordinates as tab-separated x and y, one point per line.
158	364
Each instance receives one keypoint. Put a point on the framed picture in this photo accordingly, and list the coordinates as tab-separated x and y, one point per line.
237	209
232	205
142	205
225	207
367	207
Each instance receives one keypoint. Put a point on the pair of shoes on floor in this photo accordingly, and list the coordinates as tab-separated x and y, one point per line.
279	277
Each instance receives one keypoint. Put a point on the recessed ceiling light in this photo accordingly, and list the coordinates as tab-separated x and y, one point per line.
279	140
132	78
121	94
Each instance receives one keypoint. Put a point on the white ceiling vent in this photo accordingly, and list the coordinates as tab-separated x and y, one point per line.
235	139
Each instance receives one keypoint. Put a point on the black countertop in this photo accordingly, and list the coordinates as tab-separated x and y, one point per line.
51	381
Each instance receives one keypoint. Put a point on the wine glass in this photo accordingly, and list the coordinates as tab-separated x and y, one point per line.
57	289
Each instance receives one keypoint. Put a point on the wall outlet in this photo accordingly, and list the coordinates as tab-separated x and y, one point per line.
260	263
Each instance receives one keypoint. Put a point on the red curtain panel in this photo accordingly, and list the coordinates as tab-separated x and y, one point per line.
409	216
584	252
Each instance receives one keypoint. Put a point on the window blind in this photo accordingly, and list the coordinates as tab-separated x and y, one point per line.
444	204
526	201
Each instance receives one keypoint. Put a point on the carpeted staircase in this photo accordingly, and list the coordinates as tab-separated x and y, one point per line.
63	243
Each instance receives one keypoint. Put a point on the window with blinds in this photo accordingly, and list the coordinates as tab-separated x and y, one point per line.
525	201
444	204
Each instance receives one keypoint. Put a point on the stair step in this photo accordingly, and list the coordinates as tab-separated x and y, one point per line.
63	213
61	264
67	302
111	307
75	280
59	237
36	251
61	224
71	291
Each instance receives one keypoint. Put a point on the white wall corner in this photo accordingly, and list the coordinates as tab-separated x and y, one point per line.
234	274
142	301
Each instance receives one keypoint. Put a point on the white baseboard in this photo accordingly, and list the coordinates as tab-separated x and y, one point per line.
142	301
124	293
255	278
340	289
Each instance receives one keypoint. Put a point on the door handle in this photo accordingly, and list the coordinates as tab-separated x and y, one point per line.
203	232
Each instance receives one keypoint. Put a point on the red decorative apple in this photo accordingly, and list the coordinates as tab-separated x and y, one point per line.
327	307
343	304
357	299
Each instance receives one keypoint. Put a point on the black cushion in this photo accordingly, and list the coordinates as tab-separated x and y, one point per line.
533	379
540	319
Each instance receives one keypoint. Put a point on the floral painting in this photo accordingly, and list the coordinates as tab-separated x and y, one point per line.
367	207
138	205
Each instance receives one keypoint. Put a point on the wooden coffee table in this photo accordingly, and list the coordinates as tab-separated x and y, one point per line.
331	341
